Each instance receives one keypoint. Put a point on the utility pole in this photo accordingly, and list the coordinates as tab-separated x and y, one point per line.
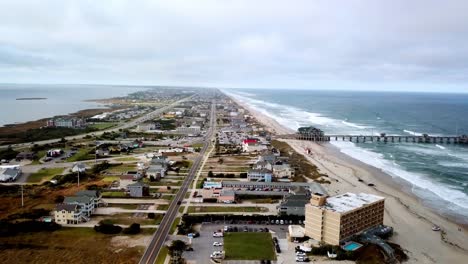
78	177
22	196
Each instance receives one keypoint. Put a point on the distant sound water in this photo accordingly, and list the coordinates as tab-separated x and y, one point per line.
437	173
60	100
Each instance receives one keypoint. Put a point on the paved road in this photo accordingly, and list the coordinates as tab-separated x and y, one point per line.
159	237
123	126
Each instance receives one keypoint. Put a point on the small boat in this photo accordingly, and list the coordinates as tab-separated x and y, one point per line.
435	228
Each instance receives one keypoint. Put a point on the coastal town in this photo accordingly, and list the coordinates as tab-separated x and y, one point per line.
191	179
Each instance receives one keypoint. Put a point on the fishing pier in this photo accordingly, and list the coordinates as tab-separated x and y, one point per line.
315	134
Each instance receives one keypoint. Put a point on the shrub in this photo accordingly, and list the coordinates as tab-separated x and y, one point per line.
10	229
59	199
132	229
107	228
100	167
151	215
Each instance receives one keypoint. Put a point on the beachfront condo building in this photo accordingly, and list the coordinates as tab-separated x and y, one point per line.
334	219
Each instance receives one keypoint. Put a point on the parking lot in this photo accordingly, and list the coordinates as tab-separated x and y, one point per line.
203	245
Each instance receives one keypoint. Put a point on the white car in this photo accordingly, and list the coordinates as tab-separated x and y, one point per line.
300	254
302	259
226	228
217	234
216	254
217	244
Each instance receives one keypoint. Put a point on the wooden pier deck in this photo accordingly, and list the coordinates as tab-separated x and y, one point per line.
382	138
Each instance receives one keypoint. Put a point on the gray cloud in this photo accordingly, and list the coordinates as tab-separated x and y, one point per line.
293	44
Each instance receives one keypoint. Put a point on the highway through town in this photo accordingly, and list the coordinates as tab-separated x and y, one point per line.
129	124
159	237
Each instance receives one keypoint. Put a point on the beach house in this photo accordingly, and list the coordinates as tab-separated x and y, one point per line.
68	214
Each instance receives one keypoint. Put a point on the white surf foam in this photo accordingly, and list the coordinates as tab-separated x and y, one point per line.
413	133
419	180
439	146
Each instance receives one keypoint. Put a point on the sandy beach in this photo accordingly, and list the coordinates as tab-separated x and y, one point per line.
411	221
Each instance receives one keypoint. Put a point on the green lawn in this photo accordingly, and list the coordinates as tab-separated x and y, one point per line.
209	209
103	126
110	178
114	194
249	246
44	174
174	225
126	159
82	154
121	168
162	256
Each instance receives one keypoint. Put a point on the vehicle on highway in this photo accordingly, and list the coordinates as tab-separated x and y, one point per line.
217	244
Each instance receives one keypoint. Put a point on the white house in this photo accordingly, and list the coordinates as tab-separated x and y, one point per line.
282	171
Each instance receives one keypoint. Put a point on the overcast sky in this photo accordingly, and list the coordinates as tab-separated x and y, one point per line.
381	45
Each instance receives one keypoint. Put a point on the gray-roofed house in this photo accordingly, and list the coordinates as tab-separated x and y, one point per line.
293	205
86	203
138	189
259	175
96	195
158	171
9	174
226	196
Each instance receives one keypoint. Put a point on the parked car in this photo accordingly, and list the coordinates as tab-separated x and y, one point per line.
217	244
302	259
216	254
217	234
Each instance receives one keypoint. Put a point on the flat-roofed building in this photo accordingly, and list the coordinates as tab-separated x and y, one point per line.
334	219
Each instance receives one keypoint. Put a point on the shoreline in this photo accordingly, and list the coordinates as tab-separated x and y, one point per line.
9	129
411	220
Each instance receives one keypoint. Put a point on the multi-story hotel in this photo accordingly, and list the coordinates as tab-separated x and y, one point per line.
333	219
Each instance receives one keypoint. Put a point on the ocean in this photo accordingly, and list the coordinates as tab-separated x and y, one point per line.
61	100
436	173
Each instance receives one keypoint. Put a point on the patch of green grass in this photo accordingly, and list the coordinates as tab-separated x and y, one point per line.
114	194
168	197
103	126
126	159
174	225
162	255
163	207
110	178
121	168
82	154
44	174
249	246
211	209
